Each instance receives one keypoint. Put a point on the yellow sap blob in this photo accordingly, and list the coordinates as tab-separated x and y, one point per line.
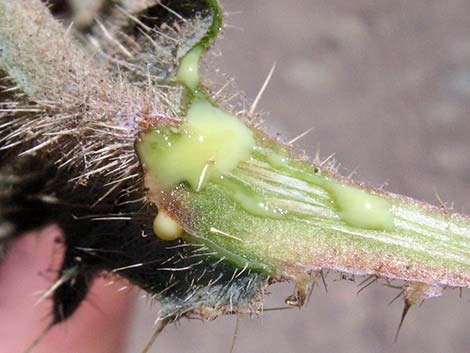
355	206
250	201
361	209
277	160
166	228
188	72
209	143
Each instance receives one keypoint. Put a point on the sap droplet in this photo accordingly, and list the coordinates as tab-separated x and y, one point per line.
166	228
208	136
360	209
188	72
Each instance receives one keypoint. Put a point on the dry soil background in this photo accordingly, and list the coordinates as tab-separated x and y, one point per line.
386	87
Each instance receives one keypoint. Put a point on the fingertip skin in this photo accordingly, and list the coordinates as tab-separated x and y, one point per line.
98	326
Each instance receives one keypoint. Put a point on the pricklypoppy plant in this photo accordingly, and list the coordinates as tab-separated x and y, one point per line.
111	131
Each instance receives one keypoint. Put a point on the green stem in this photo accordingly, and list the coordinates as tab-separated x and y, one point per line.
286	217
257	206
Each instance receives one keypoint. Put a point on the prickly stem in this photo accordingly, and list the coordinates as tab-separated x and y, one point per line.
250	199
221	185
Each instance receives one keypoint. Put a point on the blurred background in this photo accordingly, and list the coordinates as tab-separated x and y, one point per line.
386	87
